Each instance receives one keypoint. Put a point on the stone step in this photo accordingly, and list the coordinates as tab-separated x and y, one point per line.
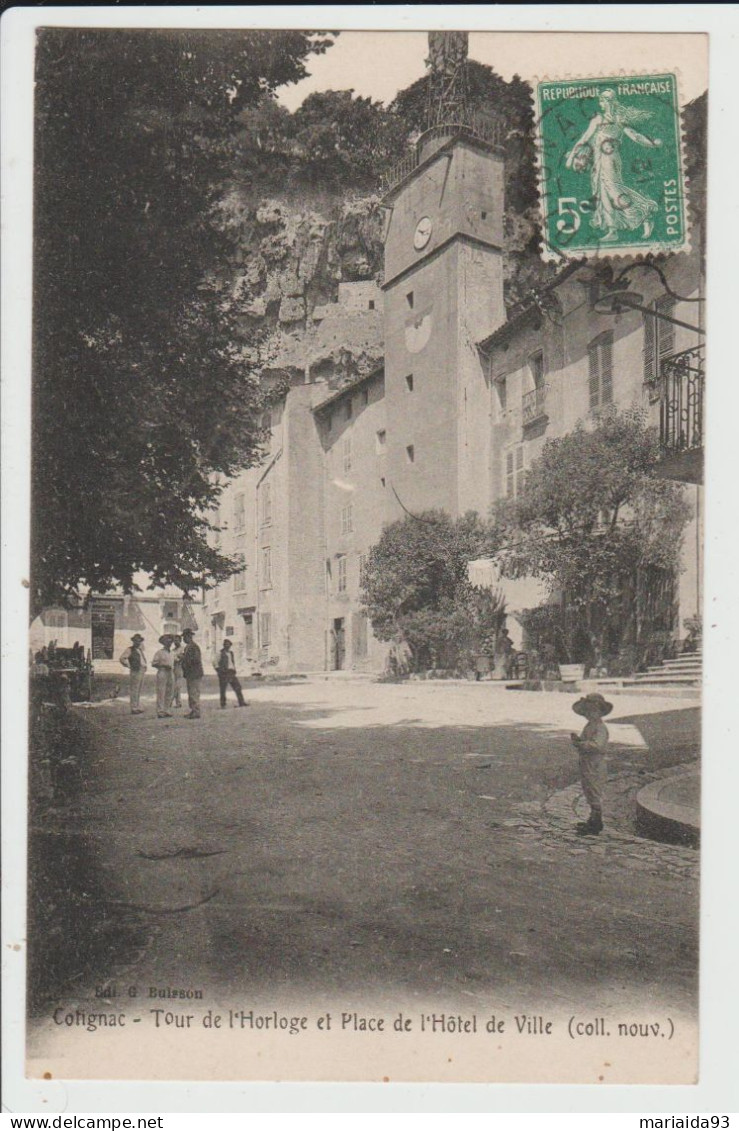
664	691
662	680
680	675
693	660
678	668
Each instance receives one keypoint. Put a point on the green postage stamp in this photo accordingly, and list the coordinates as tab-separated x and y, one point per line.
611	166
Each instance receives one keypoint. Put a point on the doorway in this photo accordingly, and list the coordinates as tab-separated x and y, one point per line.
339	642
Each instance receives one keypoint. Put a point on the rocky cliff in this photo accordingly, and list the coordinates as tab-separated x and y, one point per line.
293	256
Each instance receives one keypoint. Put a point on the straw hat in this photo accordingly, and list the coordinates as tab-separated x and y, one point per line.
595	699
167	638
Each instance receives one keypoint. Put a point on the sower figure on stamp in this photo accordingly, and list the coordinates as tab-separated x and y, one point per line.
591	745
226	668
618	206
192	670
163	661
135	660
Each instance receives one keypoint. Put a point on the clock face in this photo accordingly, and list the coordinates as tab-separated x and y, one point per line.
422	234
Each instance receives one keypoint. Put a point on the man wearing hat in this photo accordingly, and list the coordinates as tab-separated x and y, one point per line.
135	660
192	671
591	746
226	668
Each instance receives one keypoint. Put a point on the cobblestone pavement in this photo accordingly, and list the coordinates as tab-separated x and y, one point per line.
553	823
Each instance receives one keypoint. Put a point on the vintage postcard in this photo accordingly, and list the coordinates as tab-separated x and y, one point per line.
366	576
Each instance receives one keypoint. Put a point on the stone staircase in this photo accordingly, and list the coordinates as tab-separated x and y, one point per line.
678	678
683	671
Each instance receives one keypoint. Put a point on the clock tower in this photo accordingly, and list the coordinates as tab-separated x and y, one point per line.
443	294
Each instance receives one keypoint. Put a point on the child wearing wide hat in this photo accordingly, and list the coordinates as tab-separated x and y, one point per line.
591	745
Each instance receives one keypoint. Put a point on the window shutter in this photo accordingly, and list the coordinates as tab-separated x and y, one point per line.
650	358
666	331
594	375
606	369
509	487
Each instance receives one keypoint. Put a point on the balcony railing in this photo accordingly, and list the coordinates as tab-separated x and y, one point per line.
682	379
474	125
533	404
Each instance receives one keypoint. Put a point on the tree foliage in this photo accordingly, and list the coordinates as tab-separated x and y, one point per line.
145	386
143	393
417	594
592	517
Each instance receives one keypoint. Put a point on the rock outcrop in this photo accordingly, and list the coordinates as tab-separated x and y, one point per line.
304	285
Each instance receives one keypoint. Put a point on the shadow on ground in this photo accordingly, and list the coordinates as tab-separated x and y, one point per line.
339	859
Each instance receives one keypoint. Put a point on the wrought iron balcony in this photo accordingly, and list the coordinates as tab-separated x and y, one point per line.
682	381
533	405
471	125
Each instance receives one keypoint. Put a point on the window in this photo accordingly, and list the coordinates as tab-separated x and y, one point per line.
341	574
536	368
410	453
347	519
410	300
409	382
372	304
239	512
347	451
266	492
501	388
659	338
265	629
170	610
380	440
266	567
230	631
483	215
600	370
515	472
239	579
362	567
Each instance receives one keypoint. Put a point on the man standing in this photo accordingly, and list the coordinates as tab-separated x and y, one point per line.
135	660
177	650
226	669
192	670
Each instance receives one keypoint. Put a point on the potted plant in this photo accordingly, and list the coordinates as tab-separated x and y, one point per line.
694	637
